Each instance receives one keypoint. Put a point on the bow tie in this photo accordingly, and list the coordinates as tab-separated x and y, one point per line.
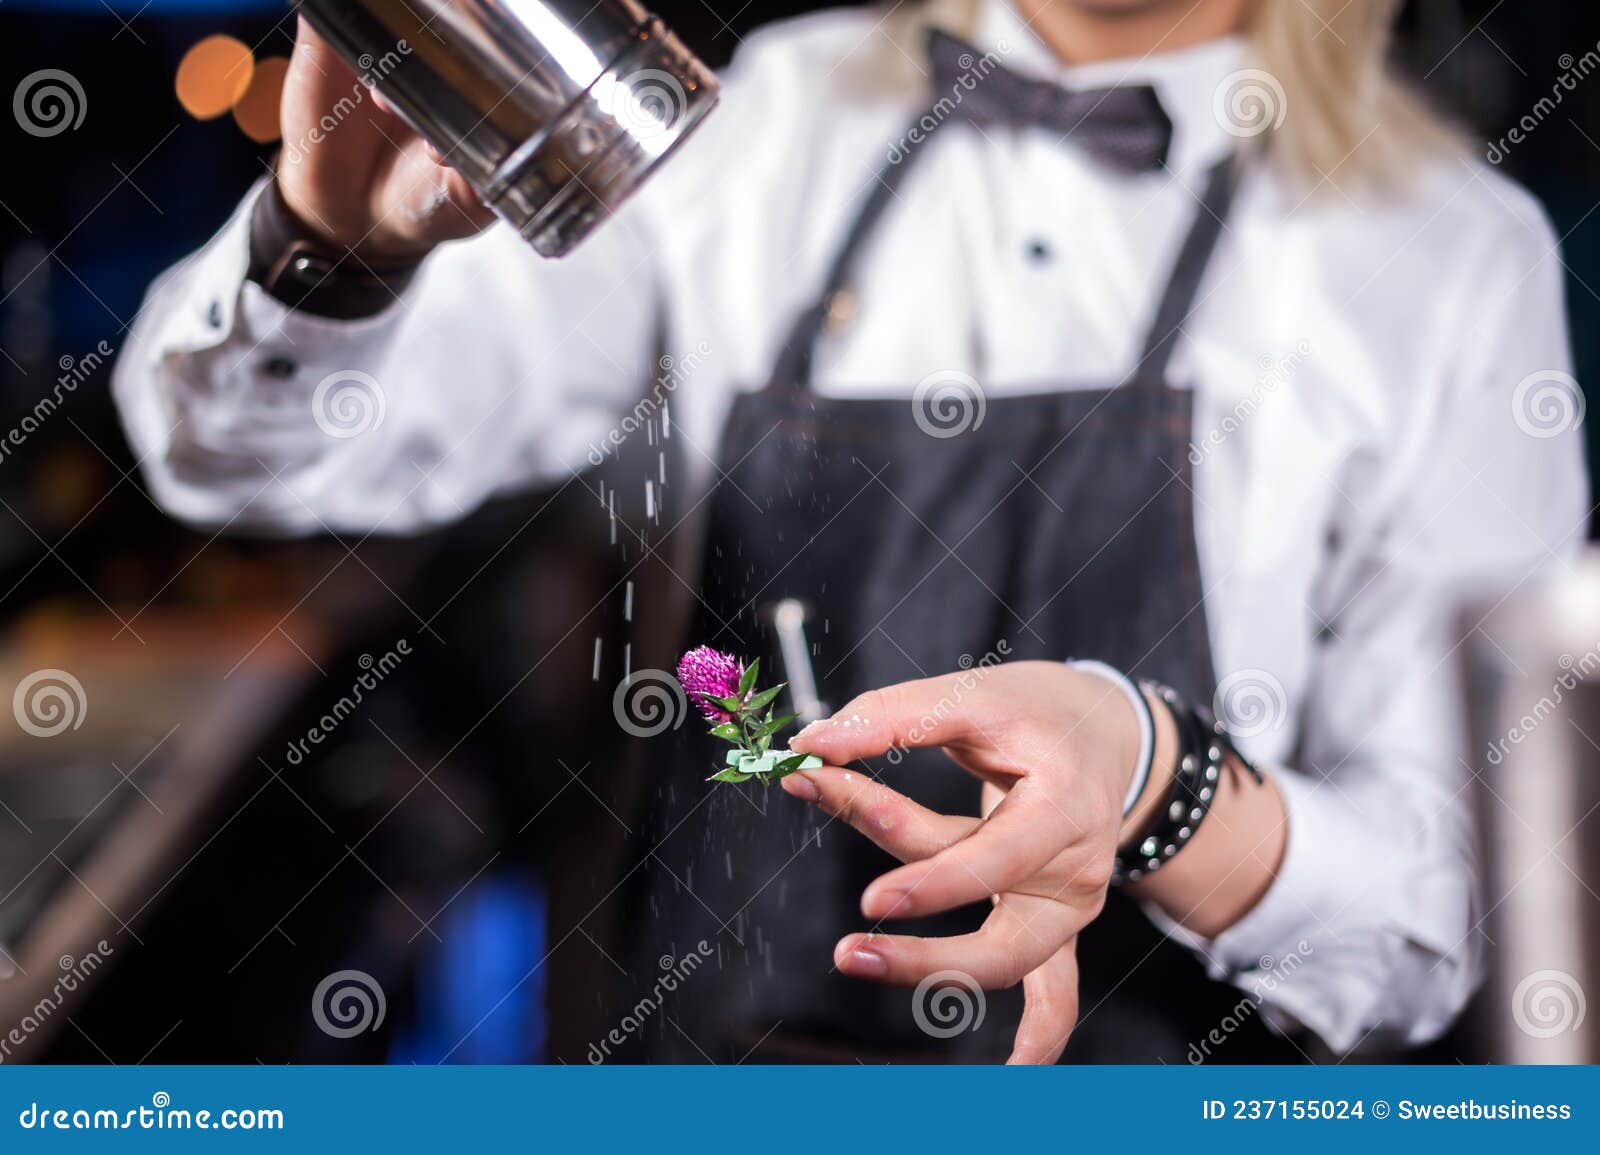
1124	127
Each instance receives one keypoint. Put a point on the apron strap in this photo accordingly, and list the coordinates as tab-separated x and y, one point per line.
1183	285
794	361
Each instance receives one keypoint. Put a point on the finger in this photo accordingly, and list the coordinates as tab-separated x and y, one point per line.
991	797
928	712
1050	1008
1015	939
431	199
319	53
1018	840
898	825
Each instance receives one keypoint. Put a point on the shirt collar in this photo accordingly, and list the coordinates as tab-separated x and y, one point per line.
1186	80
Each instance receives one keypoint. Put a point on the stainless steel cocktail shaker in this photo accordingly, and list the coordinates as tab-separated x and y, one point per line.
554	110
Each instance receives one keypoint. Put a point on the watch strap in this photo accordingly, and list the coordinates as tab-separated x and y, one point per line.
307	274
1204	749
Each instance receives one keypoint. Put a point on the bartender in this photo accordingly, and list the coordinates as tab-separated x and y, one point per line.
1168	350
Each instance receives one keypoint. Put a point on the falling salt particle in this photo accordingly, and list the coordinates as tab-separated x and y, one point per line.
613	508
666	423
661	471
602	493
650	500
627	661
597	659
627	603
650	433
727	859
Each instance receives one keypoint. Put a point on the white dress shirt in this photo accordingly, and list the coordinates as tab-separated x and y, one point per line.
1355	363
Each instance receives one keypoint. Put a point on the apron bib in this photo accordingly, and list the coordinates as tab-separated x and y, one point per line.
1061	525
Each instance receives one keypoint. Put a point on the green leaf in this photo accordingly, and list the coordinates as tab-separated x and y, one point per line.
732	705
772	726
788	766
728	732
731	774
763	741
764	699
748	682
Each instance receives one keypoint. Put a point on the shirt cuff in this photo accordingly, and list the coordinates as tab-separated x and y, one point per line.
206	285
1284	950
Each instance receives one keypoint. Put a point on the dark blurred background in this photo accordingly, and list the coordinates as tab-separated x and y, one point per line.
166	828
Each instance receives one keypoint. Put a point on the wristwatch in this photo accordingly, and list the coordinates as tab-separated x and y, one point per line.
307	274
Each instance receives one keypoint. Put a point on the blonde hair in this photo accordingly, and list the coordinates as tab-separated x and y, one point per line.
1344	108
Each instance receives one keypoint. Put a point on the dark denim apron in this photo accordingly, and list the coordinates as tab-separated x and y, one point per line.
1061	525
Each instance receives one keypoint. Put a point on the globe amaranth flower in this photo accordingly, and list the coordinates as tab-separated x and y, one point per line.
707	673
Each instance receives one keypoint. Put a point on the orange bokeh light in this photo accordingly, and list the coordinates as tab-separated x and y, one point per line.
256	113
213	76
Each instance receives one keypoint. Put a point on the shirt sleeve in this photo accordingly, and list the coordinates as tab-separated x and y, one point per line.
494	370
1370	935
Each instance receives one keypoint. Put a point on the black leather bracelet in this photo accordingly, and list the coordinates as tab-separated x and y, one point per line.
307	274
1203	750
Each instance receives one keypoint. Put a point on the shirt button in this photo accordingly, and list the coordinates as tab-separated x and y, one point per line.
1039	251
279	368
214	315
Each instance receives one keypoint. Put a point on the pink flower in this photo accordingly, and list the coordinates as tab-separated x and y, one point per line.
707	673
